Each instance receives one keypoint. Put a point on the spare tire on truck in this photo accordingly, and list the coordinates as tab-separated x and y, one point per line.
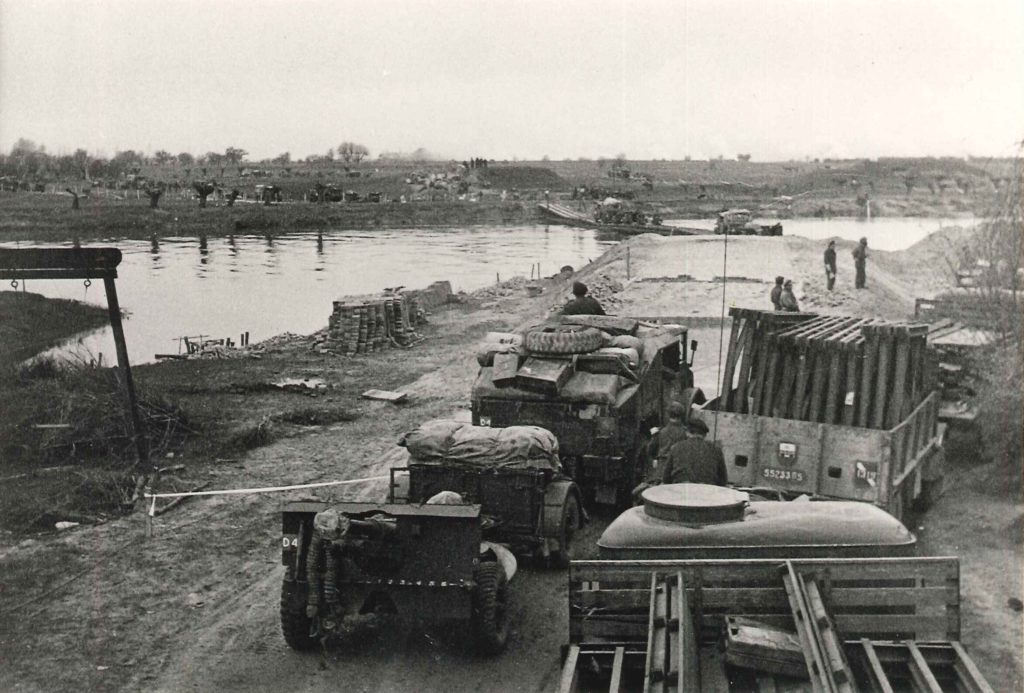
569	339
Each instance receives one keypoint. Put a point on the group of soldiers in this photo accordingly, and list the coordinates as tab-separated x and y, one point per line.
782	296
625	216
680	453
860	262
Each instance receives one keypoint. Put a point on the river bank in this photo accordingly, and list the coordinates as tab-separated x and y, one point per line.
194	606
30	323
48	218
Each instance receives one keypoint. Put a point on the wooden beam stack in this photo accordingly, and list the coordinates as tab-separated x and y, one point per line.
827	369
363	324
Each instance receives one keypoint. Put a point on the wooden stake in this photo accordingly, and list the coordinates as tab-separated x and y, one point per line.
899	387
867	378
882	378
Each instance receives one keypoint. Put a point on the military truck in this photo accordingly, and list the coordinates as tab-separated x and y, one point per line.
834	406
712	589
599	383
741	222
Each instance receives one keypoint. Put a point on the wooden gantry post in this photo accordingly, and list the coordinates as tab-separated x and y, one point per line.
86	263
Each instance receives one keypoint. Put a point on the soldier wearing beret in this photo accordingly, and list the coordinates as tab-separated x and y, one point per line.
695	460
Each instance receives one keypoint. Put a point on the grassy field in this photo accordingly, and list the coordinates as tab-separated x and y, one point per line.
677	189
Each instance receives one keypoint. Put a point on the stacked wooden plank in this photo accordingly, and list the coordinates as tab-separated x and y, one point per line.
362	324
829	369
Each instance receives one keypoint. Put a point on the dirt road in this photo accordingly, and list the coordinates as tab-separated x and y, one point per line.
194	607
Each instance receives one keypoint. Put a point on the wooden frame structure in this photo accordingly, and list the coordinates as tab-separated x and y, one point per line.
86	264
865	624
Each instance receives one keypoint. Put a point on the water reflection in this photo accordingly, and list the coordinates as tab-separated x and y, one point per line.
267	284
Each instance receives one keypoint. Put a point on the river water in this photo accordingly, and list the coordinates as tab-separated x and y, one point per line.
223	287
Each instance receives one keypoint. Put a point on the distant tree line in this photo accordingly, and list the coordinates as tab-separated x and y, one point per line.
29	161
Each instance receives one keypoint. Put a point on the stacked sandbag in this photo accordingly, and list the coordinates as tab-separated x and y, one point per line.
461	443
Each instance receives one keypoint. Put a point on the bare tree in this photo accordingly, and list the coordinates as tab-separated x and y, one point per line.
350	151
204	189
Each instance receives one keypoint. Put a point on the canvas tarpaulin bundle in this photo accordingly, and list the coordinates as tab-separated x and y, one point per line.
452	441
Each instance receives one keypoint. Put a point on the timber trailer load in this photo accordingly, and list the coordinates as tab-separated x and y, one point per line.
599	383
830	406
703	617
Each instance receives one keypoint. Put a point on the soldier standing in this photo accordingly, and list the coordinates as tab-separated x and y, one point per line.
830	264
695	460
860	261
777	293
660	446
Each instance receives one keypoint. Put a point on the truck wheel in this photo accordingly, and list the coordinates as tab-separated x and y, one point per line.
564	341
570	522
295	625
490	608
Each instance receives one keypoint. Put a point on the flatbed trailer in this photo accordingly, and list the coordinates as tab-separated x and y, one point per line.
873	624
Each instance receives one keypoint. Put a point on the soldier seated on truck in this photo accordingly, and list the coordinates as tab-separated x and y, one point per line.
582	304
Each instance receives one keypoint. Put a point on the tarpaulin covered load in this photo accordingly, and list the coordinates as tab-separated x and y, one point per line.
453	441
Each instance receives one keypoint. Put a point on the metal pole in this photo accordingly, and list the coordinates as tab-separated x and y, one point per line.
721	331
114	309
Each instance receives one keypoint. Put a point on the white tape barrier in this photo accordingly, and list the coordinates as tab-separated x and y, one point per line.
264	489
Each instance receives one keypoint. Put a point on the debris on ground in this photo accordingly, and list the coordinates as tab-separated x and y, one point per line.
385	395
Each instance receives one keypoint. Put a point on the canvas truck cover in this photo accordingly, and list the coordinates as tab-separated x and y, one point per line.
457	442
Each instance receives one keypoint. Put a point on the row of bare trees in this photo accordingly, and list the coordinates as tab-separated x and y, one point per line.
30	161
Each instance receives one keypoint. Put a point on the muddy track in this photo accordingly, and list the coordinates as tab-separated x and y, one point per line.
195	606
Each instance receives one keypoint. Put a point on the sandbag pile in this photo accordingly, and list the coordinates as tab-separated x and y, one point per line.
456	442
830	369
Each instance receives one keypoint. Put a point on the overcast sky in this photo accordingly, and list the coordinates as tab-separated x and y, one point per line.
778	79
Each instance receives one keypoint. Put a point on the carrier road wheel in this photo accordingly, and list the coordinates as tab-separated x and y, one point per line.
490	608
295	625
570	522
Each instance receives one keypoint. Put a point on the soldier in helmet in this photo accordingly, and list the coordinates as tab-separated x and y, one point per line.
661	445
